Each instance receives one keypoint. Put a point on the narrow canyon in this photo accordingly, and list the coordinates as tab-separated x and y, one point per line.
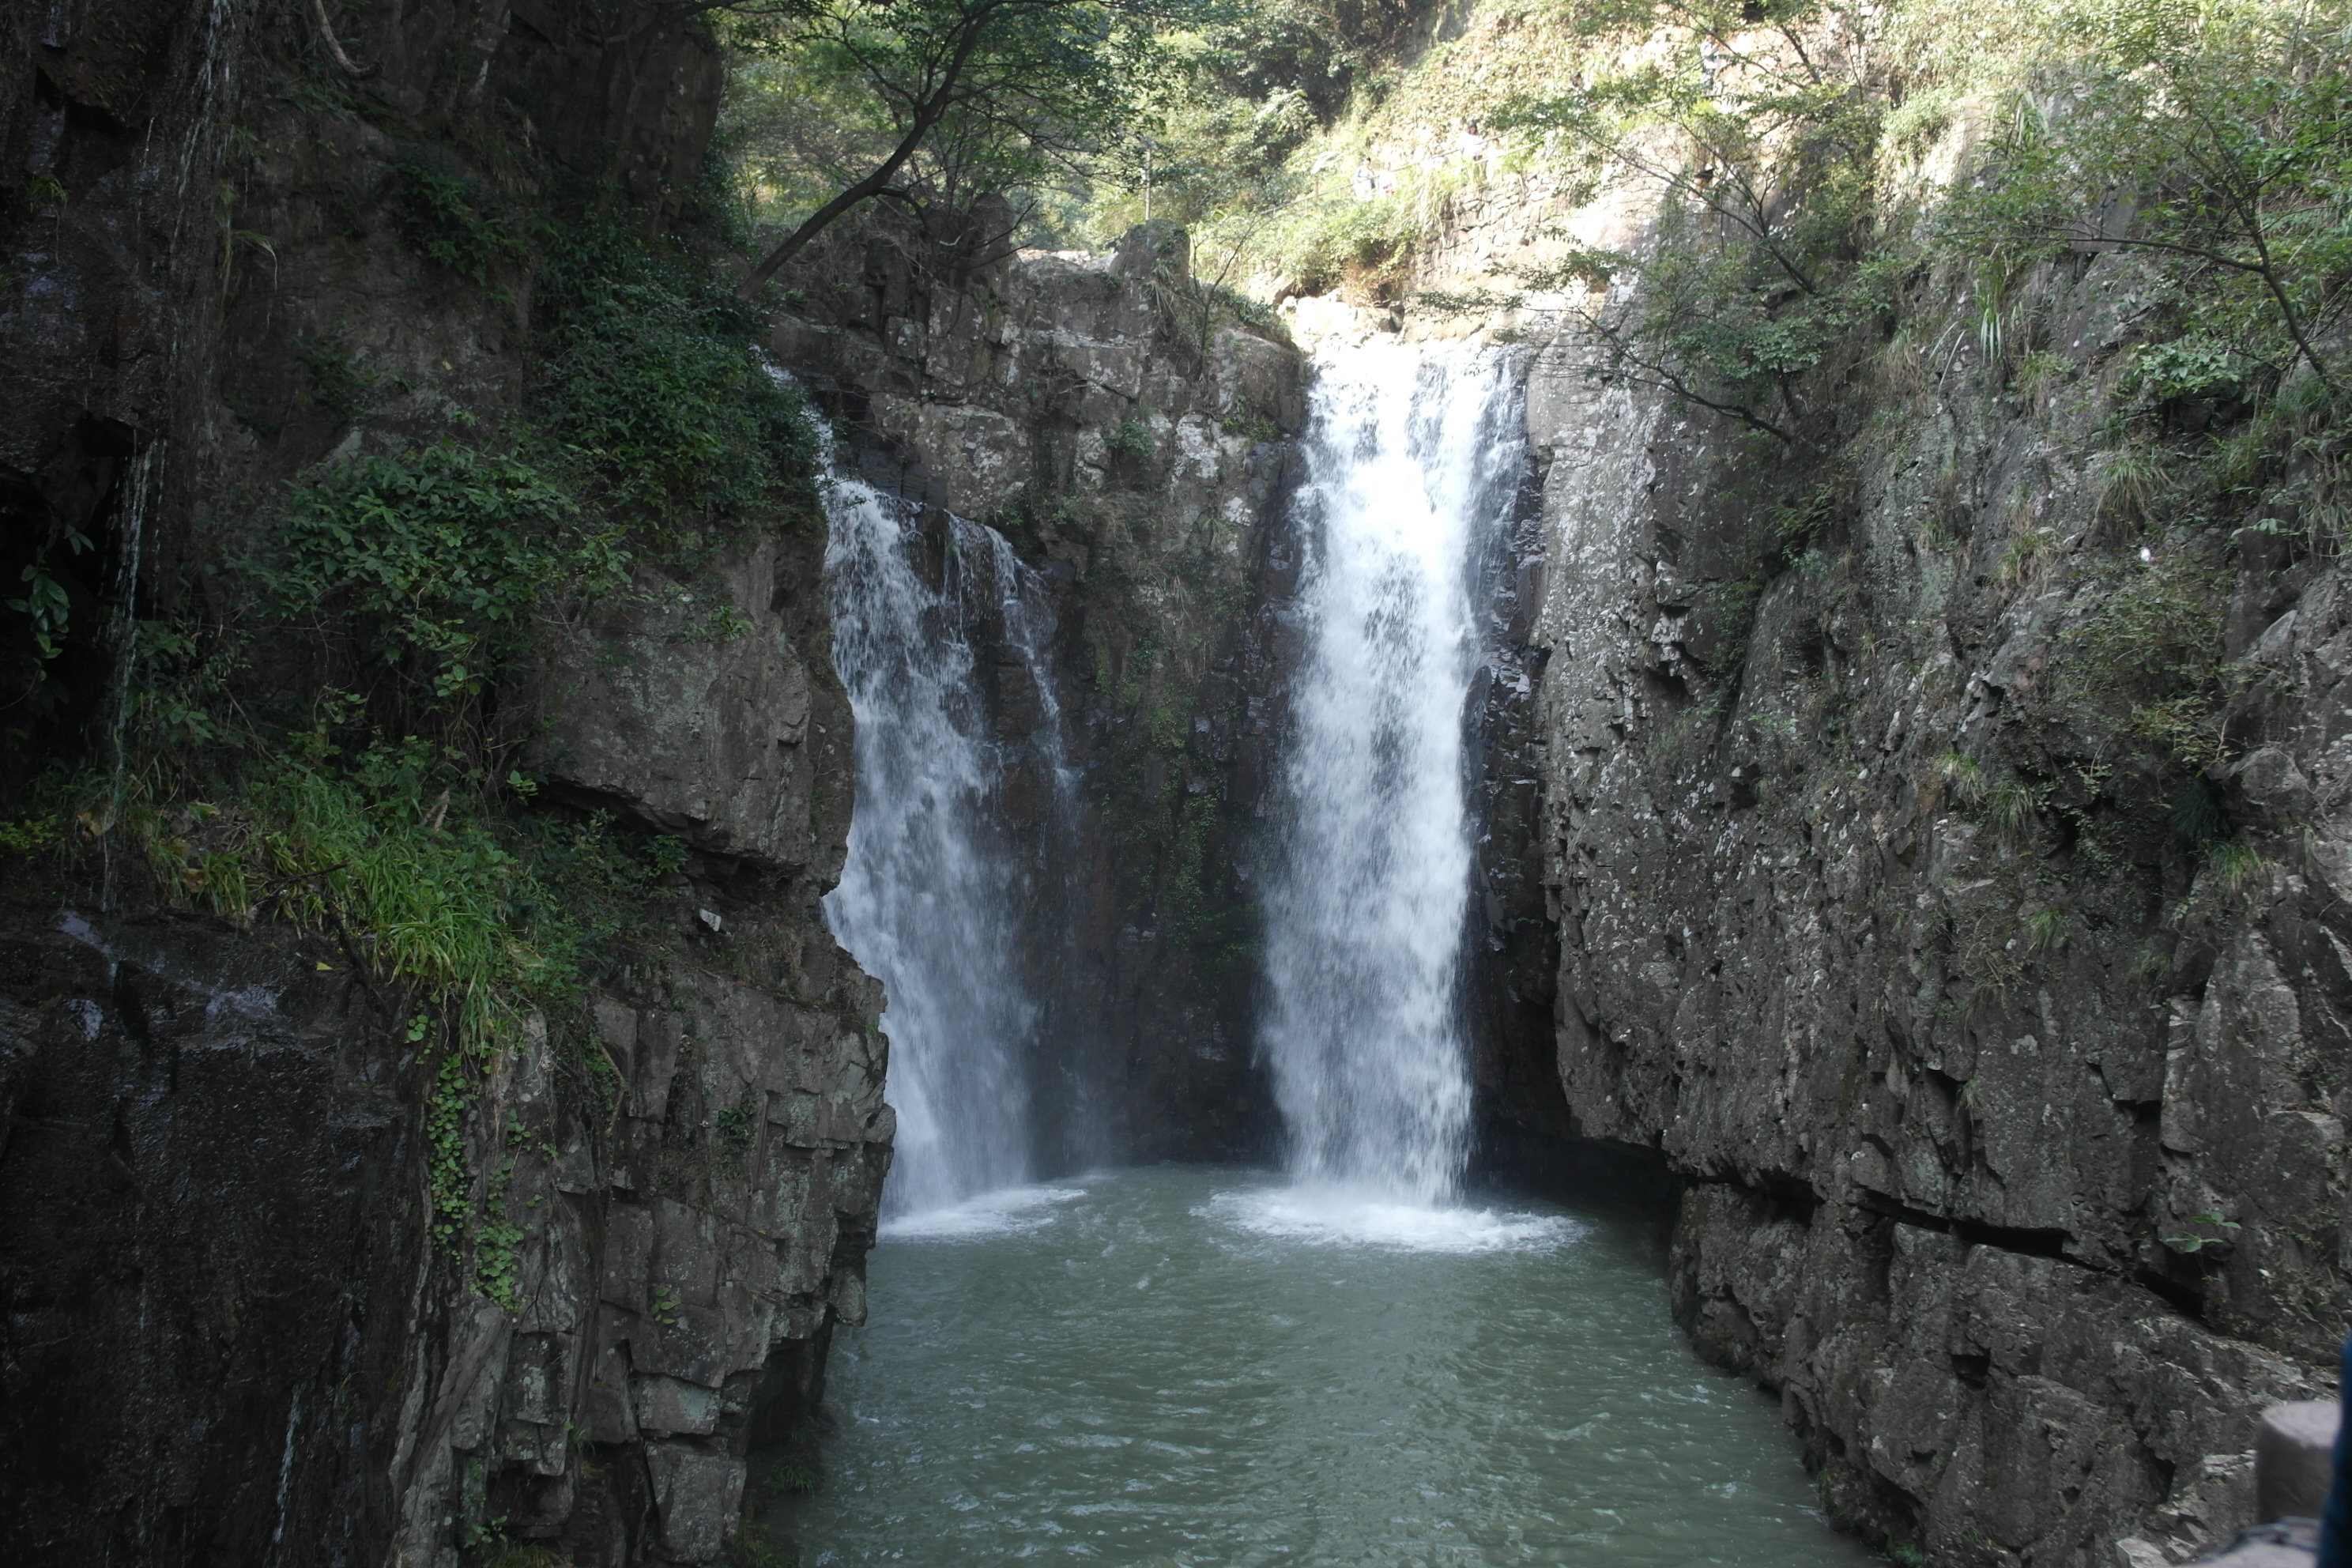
1492	785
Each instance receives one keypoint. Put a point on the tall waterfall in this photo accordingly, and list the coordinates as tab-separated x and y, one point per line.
932	894
1411	459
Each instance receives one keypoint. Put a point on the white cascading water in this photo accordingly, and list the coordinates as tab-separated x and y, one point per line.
1411	458
931	898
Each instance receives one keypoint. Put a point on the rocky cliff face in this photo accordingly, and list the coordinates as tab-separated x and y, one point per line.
2012	1121
233	1332
1939	1174
2008	1121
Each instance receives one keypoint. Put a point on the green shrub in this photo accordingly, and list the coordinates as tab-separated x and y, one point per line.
437	559
2130	480
1728	609
340	381
652	380
2046	929
1319	244
449	216
1130	439
2155	645
2197	815
2211	139
522	1554
2239	865
430	898
31	836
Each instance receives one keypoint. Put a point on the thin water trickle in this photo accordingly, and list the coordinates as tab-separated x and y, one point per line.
1411	459
122	649
932	896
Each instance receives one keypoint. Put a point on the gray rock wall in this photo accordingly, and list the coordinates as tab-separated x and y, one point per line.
230	1333
1951	1092
677	1268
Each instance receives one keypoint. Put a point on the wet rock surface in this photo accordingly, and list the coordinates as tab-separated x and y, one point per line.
210	1232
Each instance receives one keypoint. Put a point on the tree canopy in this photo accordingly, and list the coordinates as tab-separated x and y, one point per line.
920	101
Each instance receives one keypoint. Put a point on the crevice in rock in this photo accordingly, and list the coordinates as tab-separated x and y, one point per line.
2025	1240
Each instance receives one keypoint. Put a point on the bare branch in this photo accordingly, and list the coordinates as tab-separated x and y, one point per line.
334	46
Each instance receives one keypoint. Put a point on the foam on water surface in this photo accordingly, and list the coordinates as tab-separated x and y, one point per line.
990	1214
1344	1216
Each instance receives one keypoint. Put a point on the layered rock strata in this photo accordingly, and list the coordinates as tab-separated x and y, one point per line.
2013	1144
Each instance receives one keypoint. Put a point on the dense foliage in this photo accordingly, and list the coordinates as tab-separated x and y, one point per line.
935	104
653	385
437	562
1081	117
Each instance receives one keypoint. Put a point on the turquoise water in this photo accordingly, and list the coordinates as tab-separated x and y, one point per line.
1185	1367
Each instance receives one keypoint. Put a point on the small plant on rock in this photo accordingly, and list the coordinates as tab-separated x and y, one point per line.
448	214
1130	439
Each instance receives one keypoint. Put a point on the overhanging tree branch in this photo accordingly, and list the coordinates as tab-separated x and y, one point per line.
1625	364
981	61
875	184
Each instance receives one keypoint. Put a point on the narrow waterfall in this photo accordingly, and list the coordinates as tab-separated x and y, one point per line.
932	895
1411	459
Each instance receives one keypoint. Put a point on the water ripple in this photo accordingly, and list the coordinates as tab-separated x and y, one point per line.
1287	1392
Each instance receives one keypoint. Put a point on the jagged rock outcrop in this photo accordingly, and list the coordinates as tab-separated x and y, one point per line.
675	1271
1946	1175
696	706
221	1246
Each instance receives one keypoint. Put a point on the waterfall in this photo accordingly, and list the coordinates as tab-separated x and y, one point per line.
933	895
1411	458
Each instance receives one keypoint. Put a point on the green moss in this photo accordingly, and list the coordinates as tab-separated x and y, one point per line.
733	1129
